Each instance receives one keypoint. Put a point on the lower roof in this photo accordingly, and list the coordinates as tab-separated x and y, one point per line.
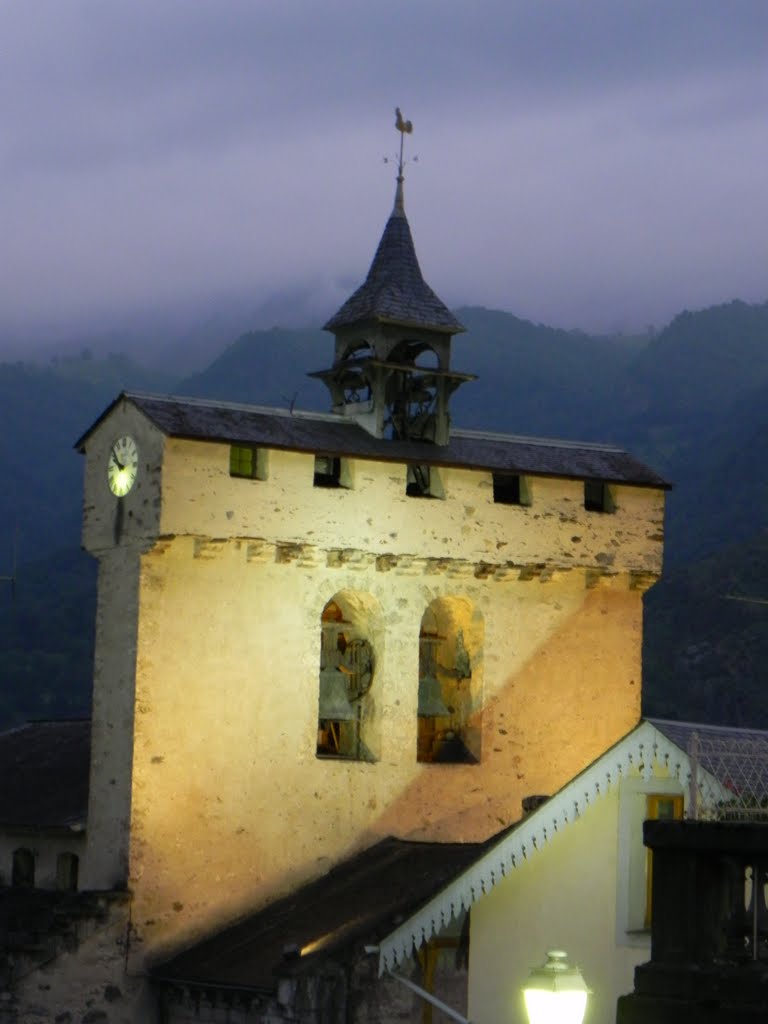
357	901
328	434
44	767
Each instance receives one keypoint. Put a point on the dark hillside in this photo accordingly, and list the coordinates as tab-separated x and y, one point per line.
699	363
267	368
692	402
42	413
682	387
704	651
46	638
537	380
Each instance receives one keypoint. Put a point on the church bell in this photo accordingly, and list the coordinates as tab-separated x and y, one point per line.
431	698
334	700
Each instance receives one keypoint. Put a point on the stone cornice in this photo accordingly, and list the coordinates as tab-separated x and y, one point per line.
260	551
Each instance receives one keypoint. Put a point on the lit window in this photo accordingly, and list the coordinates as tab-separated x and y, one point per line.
346	674
448	729
511	489
659	807
639	800
247	462
598	496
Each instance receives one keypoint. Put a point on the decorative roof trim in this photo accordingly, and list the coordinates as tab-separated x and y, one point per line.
643	750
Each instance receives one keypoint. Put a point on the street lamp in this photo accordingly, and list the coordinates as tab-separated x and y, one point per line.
555	993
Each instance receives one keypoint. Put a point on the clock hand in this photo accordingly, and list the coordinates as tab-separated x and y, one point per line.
117	461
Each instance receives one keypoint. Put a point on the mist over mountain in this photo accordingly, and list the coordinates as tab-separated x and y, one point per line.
691	400
179	338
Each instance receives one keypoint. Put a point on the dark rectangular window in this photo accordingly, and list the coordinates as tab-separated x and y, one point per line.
246	461
66	871
510	489
423	482
327	471
598	497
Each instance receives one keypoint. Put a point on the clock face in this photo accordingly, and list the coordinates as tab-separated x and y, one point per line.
123	466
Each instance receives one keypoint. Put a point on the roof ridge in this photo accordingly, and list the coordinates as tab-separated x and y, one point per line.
544	442
706	726
216	403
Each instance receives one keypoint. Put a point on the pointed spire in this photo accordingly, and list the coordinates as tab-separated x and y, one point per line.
399	208
394	290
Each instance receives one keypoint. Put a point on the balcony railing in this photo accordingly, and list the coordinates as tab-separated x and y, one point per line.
729	775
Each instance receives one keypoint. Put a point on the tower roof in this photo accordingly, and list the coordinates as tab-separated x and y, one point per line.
394	290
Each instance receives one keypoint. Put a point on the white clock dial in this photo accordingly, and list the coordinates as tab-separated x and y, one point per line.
123	465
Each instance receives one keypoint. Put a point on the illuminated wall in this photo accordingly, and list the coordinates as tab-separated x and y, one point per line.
569	881
212	590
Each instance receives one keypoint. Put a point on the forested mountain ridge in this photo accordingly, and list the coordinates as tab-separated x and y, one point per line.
691	400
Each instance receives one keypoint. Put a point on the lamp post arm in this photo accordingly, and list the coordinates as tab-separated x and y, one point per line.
422	992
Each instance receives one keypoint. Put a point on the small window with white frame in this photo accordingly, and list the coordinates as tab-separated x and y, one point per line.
639	801
658	807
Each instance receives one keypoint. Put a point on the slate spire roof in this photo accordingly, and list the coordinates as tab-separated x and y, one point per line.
394	290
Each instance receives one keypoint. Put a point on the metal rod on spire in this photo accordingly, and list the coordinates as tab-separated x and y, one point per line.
404	127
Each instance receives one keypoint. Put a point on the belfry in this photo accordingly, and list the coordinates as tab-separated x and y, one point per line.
392	361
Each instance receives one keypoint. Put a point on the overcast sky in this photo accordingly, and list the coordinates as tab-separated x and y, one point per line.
590	163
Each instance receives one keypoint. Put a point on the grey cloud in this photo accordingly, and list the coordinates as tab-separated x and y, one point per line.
590	160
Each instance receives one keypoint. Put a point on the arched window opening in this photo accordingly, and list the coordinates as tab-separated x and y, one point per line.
346	713
355	385
411	401
412	392
415	353
450	676
358	350
67	865
23	870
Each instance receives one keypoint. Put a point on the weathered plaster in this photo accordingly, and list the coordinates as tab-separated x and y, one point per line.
109	800
199	497
45	847
88	983
214	588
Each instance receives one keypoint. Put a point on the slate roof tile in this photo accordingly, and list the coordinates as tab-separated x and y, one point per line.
394	290
358	900
44	767
224	422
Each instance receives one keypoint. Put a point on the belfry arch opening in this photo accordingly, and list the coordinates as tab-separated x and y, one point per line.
360	348
417	354
450	683
347	723
353	378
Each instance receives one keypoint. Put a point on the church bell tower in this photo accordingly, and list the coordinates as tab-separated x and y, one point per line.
392	361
